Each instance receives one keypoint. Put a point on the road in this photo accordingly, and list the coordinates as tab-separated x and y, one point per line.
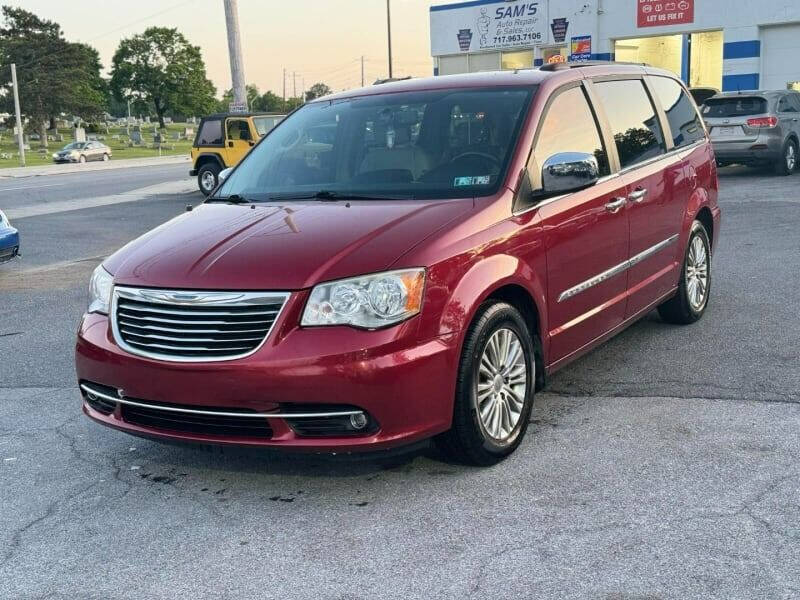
662	465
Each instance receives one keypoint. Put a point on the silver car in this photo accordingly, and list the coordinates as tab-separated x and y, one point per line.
755	128
82	152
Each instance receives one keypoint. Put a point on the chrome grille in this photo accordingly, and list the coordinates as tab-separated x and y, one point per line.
193	326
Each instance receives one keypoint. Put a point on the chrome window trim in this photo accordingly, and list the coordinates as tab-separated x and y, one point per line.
675	151
192	298
216	413
616	270
672	153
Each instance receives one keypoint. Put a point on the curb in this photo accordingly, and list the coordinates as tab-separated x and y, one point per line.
67	168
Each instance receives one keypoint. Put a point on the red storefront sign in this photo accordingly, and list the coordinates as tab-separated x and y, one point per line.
655	13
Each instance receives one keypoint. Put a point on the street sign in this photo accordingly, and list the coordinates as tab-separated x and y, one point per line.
237	107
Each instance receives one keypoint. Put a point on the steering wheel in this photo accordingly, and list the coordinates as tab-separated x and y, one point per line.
489	157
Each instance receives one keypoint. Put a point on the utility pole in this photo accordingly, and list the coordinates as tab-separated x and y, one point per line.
284	84
20	143
303	80
294	84
389	33
362	71
235	52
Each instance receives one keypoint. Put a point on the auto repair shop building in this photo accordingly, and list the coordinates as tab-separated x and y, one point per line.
724	44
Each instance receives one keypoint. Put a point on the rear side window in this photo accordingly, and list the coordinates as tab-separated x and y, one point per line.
210	133
568	126
785	104
633	120
734	107
683	118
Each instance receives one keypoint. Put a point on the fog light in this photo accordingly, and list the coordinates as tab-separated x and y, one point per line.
358	421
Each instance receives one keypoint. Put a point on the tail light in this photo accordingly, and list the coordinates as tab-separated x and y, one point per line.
763	122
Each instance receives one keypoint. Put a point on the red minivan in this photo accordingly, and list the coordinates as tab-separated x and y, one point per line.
407	261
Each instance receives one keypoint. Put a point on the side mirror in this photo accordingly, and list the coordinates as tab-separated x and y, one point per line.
569	171
223	175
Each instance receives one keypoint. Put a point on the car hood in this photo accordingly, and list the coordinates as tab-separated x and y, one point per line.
289	247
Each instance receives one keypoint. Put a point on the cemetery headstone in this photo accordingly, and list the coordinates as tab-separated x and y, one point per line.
79	133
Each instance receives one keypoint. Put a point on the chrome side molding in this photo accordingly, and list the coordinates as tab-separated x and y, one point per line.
617	269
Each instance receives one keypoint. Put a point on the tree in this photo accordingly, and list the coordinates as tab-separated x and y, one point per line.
54	75
252	97
317	90
269	102
161	67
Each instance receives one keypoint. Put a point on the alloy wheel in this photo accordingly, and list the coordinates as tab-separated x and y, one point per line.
502	384
791	157
207	180
697	273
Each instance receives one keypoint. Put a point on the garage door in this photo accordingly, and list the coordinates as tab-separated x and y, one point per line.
780	48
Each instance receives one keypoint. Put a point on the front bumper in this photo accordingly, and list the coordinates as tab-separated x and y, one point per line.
9	244
406	387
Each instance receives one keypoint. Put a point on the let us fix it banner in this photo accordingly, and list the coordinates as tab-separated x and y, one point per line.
476	26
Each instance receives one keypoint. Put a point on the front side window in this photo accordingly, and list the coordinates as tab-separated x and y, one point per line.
238	129
637	133
684	122
568	126
433	144
210	133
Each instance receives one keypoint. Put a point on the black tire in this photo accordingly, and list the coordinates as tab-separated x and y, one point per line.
105	157
787	163
679	309
81	159
207	173
468	441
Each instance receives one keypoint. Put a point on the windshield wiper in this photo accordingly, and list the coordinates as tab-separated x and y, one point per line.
232	199
331	196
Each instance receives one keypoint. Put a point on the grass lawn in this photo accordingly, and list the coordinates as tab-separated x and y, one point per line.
116	139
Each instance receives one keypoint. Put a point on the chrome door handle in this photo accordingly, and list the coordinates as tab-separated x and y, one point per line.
615	205
637	195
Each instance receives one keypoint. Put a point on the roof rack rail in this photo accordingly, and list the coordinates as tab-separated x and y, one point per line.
564	66
391	79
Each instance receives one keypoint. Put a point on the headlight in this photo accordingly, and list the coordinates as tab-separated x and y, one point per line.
100	291
370	301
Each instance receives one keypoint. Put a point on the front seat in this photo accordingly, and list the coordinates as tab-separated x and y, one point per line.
402	155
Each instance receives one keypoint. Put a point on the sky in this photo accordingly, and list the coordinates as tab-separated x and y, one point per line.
317	40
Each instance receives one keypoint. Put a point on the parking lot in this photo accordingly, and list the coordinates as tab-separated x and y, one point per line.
662	465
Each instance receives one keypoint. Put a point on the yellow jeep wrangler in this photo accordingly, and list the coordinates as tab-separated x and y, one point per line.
222	140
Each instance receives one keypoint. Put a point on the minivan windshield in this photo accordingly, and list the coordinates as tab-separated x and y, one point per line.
738	106
429	145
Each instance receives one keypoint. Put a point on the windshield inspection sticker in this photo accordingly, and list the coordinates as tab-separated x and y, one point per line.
477	180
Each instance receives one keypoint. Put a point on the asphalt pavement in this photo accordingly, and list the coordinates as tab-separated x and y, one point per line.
662	465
